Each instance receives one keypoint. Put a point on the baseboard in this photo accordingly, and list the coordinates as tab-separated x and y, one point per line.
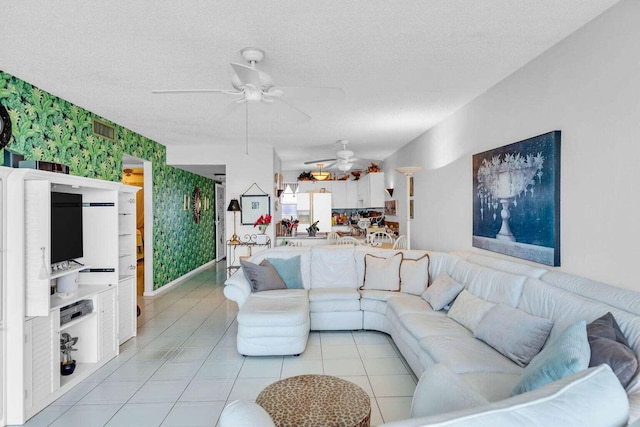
181	279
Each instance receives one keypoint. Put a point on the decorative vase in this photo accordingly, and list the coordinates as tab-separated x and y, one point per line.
263	228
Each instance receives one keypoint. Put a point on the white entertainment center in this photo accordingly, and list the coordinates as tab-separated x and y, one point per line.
100	313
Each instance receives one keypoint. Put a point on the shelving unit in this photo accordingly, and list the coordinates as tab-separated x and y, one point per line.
127	263
33	312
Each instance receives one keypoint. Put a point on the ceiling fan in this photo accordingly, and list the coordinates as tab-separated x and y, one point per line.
251	85
343	161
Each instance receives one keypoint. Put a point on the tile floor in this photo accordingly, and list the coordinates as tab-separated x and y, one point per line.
183	367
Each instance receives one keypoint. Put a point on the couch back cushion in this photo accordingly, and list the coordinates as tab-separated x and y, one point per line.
503	264
497	286
566	308
441	262
333	267
286	252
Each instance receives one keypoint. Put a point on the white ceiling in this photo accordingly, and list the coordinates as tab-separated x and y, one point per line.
404	65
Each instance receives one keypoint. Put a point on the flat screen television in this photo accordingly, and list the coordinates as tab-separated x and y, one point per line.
66	227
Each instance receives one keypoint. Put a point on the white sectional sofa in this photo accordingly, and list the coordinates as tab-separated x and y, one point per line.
276	322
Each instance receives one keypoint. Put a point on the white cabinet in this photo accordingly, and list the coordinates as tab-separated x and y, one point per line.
42	373
127	320
370	189
107	325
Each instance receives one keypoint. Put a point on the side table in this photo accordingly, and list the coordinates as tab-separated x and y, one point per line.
247	241
316	400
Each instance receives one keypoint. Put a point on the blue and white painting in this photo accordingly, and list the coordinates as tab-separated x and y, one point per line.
516	199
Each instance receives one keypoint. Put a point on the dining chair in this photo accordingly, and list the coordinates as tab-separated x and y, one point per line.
400	243
332	238
348	240
379	238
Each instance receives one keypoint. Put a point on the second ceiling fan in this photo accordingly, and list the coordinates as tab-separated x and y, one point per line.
344	159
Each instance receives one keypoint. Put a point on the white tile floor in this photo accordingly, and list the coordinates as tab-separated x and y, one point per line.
183	367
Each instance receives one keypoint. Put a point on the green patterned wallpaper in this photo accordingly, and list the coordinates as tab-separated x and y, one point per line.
48	128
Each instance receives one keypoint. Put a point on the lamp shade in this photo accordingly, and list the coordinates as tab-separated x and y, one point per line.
409	170
234	206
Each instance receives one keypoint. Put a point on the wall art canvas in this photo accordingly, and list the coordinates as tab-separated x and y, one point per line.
516	199
390	207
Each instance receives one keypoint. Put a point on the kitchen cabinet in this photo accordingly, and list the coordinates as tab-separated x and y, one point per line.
371	192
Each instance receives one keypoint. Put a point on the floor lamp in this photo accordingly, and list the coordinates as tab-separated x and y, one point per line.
234	206
408	171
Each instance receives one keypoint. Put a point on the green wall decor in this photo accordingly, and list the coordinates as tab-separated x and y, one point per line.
48	128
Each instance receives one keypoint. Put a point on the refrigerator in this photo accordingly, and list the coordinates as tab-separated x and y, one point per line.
314	207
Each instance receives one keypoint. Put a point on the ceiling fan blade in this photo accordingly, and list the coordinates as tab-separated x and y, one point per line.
225	91
273	92
228	109
300	117
247	75
314	162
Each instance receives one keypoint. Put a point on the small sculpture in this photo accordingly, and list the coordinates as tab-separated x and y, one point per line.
68	364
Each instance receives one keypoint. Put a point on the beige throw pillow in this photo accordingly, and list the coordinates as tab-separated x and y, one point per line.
382	274
414	275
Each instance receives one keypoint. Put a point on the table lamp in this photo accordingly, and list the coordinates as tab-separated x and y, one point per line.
234	206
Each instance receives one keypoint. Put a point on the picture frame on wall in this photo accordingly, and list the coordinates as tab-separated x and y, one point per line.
391	207
254	206
516	199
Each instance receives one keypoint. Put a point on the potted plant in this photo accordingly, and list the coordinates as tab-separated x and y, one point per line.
313	229
289	225
262	223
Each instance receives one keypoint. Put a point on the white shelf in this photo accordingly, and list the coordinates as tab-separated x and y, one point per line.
70	270
83	292
125	277
78	320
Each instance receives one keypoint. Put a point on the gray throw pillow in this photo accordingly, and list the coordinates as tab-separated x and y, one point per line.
442	291
262	277
514	333
609	345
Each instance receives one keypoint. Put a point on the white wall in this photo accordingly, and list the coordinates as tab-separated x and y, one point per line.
242	170
587	86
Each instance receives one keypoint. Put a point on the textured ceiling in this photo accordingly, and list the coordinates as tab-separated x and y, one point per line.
404	65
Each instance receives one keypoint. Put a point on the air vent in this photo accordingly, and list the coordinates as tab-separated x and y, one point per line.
104	130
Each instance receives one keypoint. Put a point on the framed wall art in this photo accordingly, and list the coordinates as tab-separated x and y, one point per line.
391	207
253	206
516	199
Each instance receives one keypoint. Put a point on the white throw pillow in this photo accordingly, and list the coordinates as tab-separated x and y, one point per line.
514	333
414	275
442	291
468	310
382	274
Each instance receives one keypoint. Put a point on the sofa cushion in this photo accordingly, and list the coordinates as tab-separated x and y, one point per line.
442	291
408	304
382	273
565	355
440	390
467	354
414	275
468	310
514	333
609	345
425	325
333	267
333	300
262	277
289	270
283	309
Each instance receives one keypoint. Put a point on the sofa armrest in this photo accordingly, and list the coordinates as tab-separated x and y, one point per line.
441	390
245	413
237	288
592	397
